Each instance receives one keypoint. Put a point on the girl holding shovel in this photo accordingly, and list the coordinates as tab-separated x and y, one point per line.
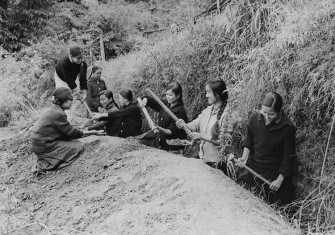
269	150
209	124
166	125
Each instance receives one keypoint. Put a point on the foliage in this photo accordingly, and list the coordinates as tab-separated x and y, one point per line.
255	47
22	22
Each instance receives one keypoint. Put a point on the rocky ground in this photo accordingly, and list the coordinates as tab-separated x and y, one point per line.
123	187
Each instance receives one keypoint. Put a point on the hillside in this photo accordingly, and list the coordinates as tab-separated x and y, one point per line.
122	187
255	46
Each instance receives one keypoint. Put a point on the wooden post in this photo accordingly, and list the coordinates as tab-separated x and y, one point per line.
102	49
91	57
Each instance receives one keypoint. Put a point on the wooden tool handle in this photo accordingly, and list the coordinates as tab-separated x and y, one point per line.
167	110
256	174
87	108
147	116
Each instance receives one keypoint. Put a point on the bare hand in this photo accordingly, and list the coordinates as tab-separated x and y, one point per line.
275	185
100	109
241	162
76	93
142	102
230	158
83	94
195	136
96	116
180	123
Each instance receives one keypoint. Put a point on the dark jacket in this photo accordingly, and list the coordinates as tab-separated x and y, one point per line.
68	72
50	127
167	122
107	125
127	121
94	87
272	146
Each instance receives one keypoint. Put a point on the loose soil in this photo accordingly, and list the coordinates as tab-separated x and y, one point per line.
119	186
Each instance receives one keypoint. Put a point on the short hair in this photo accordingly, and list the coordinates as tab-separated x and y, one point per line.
76	51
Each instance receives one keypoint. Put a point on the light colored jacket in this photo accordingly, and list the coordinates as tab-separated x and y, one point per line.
204	124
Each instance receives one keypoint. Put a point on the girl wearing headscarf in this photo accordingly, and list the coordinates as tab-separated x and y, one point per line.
269	149
94	86
127	121
166	125
209	125
53	138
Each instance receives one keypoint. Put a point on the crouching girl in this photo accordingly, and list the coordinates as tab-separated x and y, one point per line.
53	137
208	126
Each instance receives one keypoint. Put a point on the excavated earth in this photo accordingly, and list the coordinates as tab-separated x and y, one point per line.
119	186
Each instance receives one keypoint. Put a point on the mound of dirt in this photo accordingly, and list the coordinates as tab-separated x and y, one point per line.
122	187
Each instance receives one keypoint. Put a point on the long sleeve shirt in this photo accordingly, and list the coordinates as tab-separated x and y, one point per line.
105	124
167	122
94	87
203	124
68	72
272	147
127	121
50	127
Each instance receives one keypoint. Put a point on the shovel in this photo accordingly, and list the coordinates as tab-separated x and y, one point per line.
149	134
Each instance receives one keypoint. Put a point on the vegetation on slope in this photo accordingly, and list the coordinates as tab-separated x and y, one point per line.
255	46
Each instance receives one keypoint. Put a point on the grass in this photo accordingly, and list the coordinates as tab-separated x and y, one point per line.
286	46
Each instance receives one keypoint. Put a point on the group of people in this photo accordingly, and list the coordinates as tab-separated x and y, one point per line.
268	147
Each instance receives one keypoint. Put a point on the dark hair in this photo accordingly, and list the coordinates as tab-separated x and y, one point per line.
61	95
75	51
219	89
109	95
127	94
94	69
273	100
176	88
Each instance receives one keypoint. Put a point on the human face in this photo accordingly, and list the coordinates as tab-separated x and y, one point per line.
78	59
104	100
171	97
210	95
269	114
97	74
67	104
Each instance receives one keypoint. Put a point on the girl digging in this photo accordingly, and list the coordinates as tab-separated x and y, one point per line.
166	125
208	126
269	149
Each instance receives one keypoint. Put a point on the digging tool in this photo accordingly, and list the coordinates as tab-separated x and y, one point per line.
149	134
86	107
167	110
147	116
255	174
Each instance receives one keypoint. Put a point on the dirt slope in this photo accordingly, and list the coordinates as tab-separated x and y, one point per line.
121	187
